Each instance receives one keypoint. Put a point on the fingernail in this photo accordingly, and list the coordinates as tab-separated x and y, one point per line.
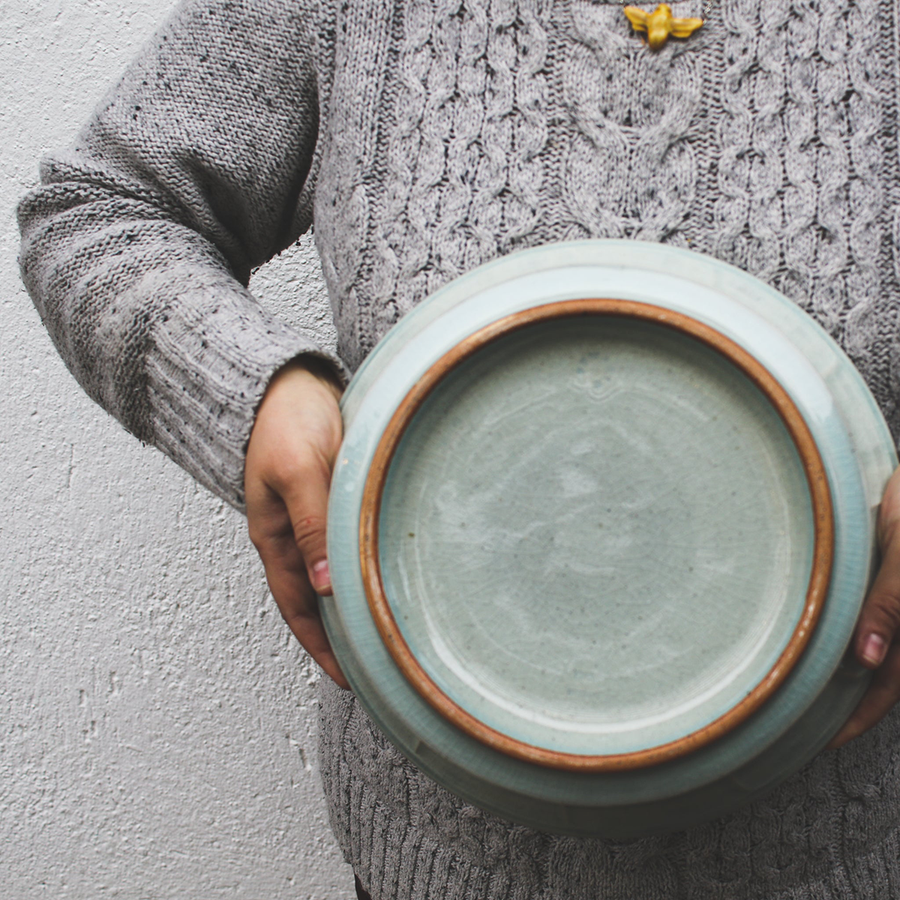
874	649
321	577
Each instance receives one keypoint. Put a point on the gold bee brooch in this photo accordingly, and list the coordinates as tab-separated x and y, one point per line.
659	24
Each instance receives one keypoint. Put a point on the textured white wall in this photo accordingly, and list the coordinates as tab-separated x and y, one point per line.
156	722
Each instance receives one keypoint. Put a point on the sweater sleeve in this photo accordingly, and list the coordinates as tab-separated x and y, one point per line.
139	243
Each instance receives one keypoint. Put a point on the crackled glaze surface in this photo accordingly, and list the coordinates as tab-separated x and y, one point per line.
597	535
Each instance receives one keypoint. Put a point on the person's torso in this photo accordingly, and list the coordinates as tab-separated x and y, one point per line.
454	132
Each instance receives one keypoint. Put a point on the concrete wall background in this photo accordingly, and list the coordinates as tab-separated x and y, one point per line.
156	718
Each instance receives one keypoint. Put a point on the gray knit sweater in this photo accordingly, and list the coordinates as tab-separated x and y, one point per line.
423	137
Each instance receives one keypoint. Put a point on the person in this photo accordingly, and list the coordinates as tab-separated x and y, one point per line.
422	138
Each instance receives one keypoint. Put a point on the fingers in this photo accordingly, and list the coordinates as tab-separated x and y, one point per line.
875	642
306	498
880	698
286	573
880	615
286	570
287	476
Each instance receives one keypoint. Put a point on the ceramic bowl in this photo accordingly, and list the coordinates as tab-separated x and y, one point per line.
599	532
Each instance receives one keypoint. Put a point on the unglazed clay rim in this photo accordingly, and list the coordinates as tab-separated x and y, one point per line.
823	523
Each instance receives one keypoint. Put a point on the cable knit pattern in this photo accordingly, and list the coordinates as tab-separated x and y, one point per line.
424	137
831	831
631	170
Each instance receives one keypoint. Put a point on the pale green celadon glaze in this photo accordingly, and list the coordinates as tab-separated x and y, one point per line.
596	536
537	512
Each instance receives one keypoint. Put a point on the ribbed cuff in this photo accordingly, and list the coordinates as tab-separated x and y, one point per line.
211	359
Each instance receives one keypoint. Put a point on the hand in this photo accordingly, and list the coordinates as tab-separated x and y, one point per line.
877	643
290	458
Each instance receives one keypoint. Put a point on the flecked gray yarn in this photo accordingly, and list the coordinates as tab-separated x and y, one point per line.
423	137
